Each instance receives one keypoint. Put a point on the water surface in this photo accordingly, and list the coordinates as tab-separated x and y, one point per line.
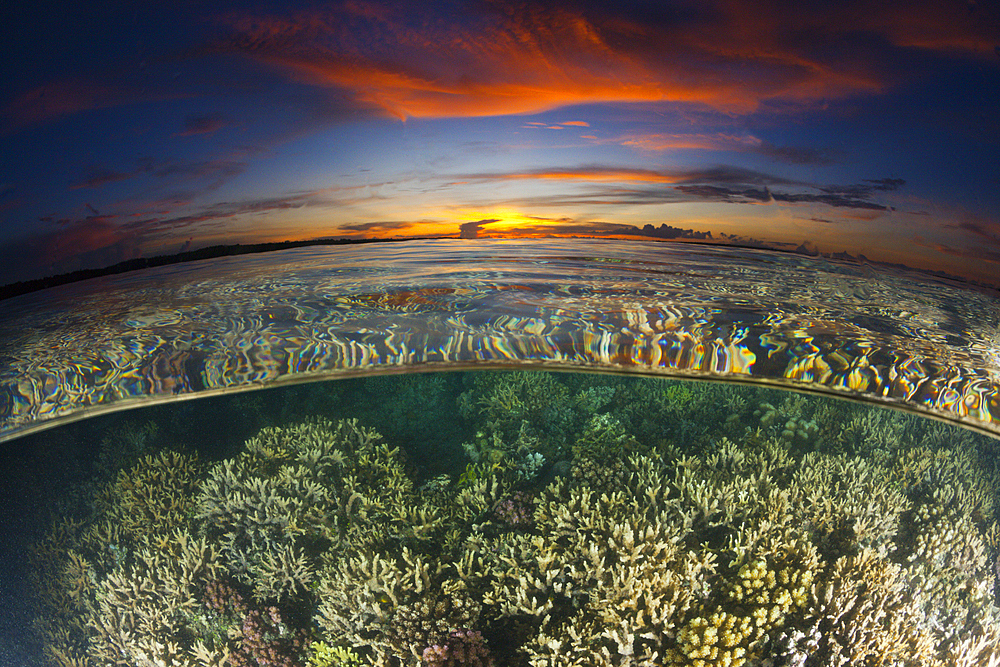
913	340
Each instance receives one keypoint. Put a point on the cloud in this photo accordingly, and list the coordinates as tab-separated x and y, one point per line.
463	59
765	195
985	232
201	124
727	184
100	176
394	225
598	173
728	142
57	99
470	230
486	59
866	188
483	58
978	253
885	184
209	174
932	25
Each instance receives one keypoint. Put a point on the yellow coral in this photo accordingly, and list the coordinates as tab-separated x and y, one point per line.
322	654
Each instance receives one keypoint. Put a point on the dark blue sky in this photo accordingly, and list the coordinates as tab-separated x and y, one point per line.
139	130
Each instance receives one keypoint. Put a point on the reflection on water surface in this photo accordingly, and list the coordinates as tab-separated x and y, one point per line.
904	338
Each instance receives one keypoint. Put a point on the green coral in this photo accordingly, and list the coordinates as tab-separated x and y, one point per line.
604	438
322	654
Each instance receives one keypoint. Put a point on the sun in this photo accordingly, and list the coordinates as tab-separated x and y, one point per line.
500	222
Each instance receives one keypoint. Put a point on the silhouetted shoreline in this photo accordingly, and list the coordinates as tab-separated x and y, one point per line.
210	252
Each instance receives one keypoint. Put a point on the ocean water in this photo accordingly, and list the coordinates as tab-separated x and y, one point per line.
502	453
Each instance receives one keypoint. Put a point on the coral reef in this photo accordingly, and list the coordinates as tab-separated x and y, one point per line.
139	607
810	534
153	497
322	654
462	648
294	492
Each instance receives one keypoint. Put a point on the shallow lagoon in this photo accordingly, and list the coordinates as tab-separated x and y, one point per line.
506	517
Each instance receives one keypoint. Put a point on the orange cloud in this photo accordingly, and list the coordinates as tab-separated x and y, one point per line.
409	62
598	174
590	174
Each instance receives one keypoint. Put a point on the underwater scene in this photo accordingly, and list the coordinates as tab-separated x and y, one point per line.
508	518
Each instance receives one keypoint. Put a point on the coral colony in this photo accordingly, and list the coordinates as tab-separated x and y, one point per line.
592	521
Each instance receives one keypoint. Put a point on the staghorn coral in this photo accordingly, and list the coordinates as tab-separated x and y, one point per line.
322	654
604	438
293	493
396	606
141	512
598	586
314	546
65	583
141	606
144	597
860	614
152	498
534	412
846	502
749	556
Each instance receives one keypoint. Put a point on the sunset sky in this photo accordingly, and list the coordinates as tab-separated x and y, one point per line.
138	129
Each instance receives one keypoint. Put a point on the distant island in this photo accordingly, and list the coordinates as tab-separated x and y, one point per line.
210	252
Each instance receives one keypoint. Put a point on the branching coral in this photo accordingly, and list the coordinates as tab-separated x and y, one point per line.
603	438
141	606
322	654
314	546
602	568
713	561
396	606
861	614
296	491
154	497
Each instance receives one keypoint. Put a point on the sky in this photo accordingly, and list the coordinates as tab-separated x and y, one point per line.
139	129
